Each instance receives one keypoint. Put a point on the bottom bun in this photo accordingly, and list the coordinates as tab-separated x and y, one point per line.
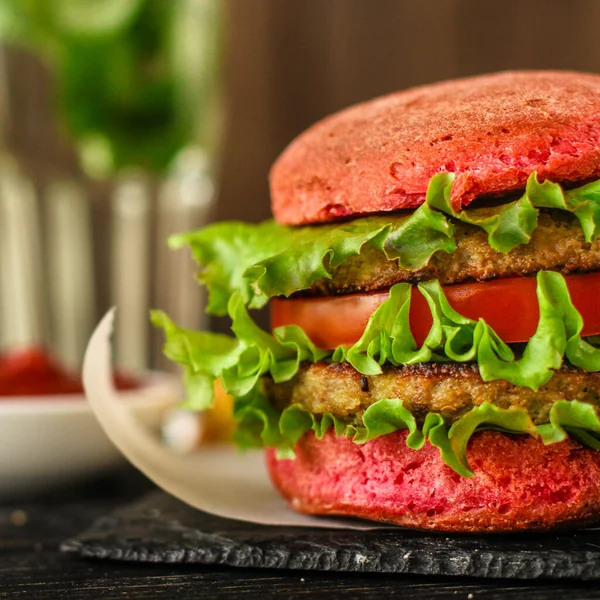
519	483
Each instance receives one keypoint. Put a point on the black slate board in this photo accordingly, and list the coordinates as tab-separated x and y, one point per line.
160	529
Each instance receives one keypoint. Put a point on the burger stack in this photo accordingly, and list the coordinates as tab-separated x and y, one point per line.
432	273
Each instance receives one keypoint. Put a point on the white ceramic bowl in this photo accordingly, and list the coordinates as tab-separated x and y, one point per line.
53	440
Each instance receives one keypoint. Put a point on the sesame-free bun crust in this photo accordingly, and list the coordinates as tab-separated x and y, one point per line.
491	131
519	483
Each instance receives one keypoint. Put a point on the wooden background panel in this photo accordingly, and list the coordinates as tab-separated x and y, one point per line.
289	63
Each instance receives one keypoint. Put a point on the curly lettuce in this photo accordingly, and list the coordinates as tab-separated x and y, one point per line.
240	362
261	425
508	225
387	338
266	260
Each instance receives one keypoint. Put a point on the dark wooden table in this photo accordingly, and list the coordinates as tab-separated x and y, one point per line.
31	565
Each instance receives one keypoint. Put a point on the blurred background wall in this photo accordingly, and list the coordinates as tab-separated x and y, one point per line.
279	65
290	63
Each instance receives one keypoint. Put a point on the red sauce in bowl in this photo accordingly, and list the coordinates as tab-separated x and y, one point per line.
33	372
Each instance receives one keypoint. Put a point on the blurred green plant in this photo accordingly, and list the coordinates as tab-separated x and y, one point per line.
136	79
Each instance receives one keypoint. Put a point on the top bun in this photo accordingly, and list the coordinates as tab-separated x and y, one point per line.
492	131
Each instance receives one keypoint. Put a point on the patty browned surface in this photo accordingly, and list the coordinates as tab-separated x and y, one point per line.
451	389
556	244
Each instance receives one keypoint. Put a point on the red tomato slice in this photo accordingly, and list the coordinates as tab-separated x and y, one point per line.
509	306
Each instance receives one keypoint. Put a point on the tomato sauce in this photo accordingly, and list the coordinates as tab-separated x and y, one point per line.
33	372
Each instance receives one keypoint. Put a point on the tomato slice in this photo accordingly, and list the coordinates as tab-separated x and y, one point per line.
509	306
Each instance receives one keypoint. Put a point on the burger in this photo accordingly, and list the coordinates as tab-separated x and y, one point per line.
432	276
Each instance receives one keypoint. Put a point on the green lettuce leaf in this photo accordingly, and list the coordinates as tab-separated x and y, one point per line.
225	250
257	422
418	237
295	421
245	265
452	336
508	225
203	355
583	202
314	251
487	416
239	362
543	353
571	417
260	425
437	433
387	337
267	260
278	355
386	416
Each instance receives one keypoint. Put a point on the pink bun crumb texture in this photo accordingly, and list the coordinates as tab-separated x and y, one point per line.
519	483
492	131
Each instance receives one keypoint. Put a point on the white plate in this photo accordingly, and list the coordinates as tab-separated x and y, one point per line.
49	441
